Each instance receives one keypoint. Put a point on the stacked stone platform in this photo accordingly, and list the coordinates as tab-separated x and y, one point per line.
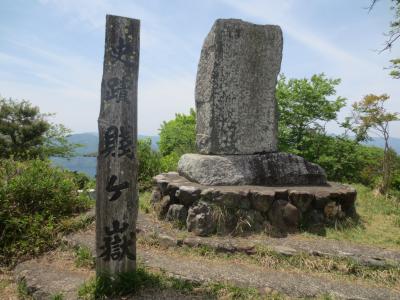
206	210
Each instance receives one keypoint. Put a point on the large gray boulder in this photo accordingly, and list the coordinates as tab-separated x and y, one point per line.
263	169
235	88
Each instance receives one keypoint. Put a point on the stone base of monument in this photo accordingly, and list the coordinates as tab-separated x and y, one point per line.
205	209
274	168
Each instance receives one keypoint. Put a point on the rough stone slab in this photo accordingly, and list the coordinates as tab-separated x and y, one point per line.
45	278
235	88
288	283
265	169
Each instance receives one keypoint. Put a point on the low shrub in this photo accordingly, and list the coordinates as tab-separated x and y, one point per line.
35	199
149	164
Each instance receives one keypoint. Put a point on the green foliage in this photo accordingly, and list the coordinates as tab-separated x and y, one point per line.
392	36
25	133
303	106
178	135
124	284
149	163
58	296
22	290
35	199
344	159
176	138
84	257
370	114
378	216
395	68
82	180
169	162
145	202
106	286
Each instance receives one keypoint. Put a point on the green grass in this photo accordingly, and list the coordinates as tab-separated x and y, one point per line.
84	257
145	202
123	284
42	235
388	275
130	283
343	268
22	290
38	205
58	296
378	224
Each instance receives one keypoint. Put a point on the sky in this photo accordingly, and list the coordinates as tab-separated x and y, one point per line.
51	51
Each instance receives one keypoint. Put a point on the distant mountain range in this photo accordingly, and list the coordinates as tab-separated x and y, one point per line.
85	164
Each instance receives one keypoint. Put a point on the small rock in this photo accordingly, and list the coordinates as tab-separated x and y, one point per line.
167	241
331	210
200	219
302	200
262	200
208	194
233	199
314	217
155	196
291	215
322	197
281	194
177	212
162	183
254	219
348	201
171	190
187	195
283	250
161	207
284	216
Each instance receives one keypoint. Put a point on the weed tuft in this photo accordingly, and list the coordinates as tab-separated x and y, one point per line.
84	257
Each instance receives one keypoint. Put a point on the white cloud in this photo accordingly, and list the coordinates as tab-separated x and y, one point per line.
283	14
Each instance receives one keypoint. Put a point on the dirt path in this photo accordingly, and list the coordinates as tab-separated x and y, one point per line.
50	274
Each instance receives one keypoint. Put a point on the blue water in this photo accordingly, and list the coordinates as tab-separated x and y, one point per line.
82	164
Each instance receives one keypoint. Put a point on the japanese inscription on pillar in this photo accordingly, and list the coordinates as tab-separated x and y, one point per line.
116	191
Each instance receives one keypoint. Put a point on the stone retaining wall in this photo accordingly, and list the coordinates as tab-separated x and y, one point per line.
206	210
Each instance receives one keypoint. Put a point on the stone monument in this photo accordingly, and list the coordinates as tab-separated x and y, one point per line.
238	177
116	188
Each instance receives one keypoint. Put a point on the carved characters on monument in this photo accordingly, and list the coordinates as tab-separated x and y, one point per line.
116	189
117	242
118	142
123	50
116	196
117	89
